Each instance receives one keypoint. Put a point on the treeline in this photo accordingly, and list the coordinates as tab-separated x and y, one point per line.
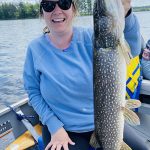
28	10
85	7
18	11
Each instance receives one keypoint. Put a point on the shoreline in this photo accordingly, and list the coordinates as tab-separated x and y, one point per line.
140	9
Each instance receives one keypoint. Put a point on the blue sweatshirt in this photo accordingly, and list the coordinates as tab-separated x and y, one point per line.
60	83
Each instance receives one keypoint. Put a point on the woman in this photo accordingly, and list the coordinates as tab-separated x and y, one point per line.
58	75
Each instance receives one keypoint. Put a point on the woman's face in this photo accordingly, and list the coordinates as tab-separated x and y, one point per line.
59	20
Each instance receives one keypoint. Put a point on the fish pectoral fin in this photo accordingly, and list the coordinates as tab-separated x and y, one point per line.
132	103
131	117
124	146
127	57
93	141
126	51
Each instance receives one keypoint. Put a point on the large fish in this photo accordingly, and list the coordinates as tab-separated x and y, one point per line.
111	53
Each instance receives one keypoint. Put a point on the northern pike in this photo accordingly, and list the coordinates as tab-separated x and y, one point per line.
111	54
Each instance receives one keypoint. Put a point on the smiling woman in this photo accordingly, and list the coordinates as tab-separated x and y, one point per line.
58	75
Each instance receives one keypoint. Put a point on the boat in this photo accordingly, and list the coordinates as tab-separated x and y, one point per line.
20	126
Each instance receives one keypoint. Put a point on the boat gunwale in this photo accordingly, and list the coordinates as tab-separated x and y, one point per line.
15	105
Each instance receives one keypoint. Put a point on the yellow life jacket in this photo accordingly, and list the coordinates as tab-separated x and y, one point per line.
133	78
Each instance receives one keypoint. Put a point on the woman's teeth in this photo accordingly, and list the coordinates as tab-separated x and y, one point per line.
58	20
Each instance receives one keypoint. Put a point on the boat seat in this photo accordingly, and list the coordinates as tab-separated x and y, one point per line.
143	130
25	140
145	93
145	87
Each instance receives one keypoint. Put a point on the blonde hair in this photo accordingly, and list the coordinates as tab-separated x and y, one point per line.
75	6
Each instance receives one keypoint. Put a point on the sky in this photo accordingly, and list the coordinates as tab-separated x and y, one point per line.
134	2
16	1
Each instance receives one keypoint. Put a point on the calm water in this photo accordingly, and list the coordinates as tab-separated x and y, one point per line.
14	37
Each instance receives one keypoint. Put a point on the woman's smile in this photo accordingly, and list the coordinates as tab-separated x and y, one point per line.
58	20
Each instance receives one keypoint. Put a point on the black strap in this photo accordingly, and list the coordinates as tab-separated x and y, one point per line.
20	116
129	12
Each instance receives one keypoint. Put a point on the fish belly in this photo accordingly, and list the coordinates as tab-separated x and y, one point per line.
109	97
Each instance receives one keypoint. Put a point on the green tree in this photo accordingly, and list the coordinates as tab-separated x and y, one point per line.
8	10
27	10
1	13
22	10
85	7
89	7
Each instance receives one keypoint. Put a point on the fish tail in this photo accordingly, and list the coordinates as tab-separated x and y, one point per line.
93	141
124	146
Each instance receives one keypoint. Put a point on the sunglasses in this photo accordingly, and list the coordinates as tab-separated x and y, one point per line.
49	6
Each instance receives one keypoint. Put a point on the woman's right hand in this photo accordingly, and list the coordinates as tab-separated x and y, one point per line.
58	140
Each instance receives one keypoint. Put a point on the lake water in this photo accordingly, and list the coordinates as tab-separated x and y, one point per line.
14	38
140	3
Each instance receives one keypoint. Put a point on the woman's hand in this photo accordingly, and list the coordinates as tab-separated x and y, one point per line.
58	140
127	5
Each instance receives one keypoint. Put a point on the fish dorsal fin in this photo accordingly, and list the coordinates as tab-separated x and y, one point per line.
131	117
93	141
132	103
124	146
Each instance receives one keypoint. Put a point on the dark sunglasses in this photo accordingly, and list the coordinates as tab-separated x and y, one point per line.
49	6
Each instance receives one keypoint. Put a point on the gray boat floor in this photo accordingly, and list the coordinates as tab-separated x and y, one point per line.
144	128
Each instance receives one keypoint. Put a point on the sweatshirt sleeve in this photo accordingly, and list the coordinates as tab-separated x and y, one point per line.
132	34
31	78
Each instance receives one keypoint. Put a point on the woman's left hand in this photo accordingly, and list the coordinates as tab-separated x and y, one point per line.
59	140
127	5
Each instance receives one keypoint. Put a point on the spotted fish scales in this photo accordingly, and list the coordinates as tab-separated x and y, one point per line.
110	58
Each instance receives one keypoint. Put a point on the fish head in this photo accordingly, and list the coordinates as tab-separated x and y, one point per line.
109	17
109	23
116	10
